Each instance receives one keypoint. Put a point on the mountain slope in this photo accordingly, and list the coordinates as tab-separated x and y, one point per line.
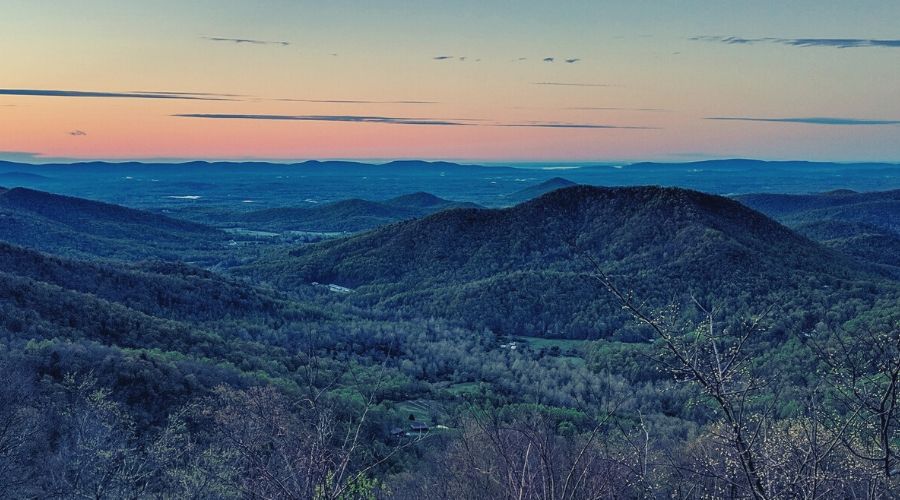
521	270
349	215
865	242
881	208
539	189
75	226
172	291
865	226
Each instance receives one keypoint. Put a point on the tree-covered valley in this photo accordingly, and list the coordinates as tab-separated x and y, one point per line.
569	341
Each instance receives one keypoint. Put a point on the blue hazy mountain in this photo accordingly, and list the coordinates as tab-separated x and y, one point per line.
539	189
75	226
347	215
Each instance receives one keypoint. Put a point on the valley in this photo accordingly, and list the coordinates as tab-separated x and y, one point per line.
430	315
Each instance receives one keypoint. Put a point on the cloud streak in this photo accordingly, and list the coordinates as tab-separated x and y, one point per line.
327	118
123	95
78	133
573	125
247	41
837	43
815	120
392	120
353	101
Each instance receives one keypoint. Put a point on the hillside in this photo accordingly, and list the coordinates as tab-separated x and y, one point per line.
865	226
520	270
348	215
75	226
539	189
866	242
172	291
880	208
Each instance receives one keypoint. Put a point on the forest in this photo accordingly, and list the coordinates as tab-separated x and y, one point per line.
634	342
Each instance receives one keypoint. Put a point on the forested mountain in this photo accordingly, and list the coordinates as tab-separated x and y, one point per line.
177	381
523	270
865	226
348	215
539	189
880	208
75	226
168	290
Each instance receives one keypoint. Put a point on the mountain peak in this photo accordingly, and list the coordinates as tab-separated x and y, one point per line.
419	199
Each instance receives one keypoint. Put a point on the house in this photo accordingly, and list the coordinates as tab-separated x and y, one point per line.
418	427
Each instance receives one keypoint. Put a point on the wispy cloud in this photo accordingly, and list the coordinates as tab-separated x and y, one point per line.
838	43
574	125
192	96
572	84
549	59
573	60
353	101
77	133
815	120
442	58
126	95
328	118
393	120
248	41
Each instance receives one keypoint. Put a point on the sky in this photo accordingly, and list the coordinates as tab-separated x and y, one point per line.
486	80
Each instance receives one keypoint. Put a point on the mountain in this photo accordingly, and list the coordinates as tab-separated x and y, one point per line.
521	270
349	215
67	225
14	177
865	242
865	226
539	189
880	208
426	202
172	291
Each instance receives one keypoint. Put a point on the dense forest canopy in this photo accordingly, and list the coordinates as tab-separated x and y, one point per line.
650	342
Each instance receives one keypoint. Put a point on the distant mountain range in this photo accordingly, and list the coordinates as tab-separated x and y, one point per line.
520	270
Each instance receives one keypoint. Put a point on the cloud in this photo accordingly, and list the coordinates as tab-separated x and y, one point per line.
128	95
78	133
248	41
573	125
549	59
442	58
392	120
816	120
573	60
838	43
328	118
353	101
572	84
